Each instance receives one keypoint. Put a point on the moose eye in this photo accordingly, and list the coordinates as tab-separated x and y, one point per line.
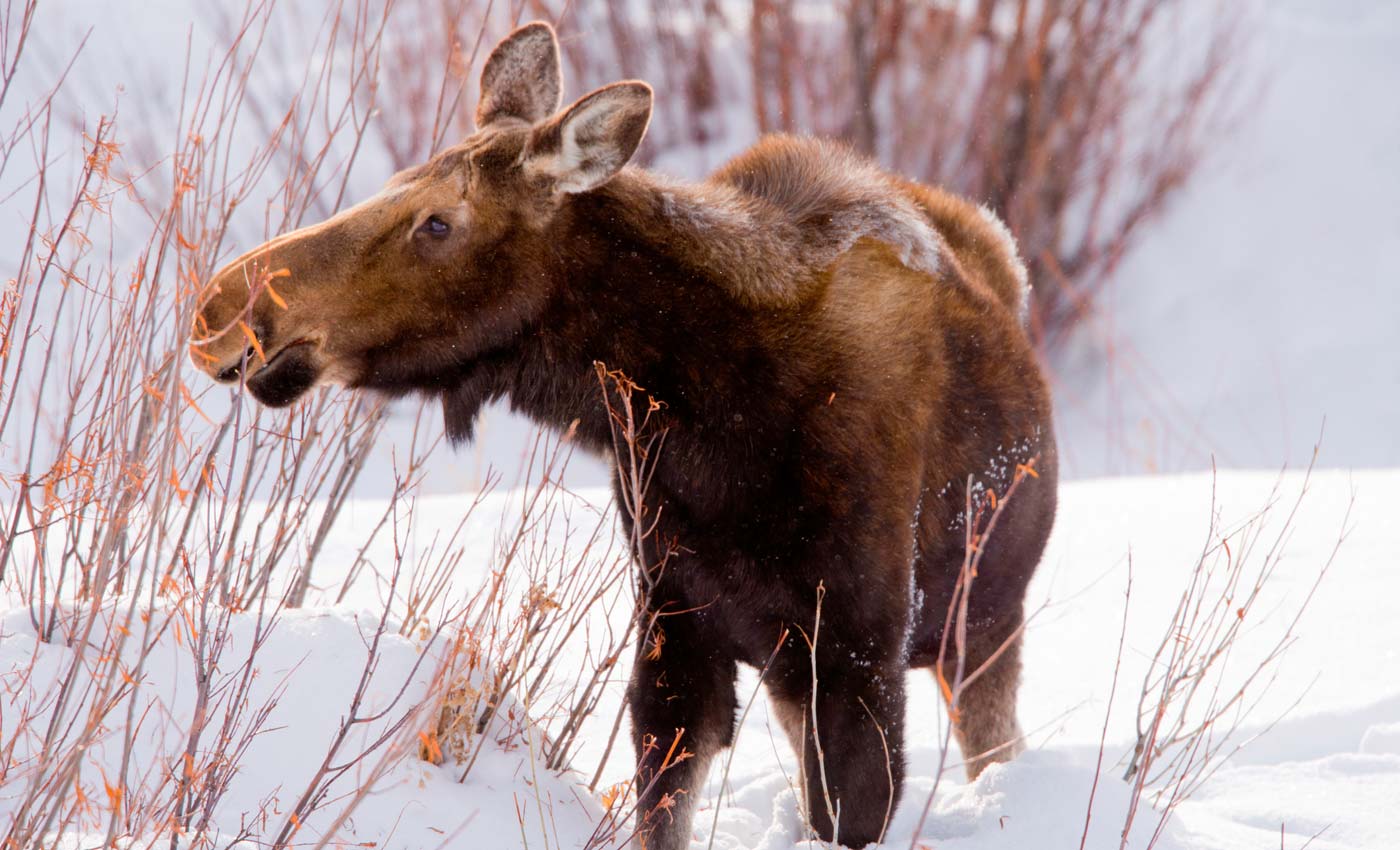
435	226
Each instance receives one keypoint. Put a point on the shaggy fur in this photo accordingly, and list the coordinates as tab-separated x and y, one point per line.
838	352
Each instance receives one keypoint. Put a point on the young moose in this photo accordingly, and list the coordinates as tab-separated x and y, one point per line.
839	355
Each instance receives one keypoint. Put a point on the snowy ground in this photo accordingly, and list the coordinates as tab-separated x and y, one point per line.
1329	772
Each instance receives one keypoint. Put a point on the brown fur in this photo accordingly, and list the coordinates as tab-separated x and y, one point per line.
837	350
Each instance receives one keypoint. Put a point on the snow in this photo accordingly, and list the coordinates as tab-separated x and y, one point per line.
1331	762
307	672
1329	768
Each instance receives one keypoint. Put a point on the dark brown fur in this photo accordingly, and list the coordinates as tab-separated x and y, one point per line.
828	386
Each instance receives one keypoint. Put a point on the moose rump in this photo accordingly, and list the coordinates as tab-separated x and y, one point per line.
841	369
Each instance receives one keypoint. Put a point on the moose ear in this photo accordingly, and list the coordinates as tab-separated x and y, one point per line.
521	78
589	142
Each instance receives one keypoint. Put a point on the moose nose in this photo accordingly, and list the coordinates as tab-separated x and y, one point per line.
229	374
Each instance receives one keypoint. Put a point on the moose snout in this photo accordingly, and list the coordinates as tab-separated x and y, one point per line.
230	373
240	334
224	363
227	336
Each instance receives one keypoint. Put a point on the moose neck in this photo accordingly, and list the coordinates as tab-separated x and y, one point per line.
636	289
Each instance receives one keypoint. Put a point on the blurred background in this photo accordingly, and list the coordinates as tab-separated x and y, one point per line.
1207	192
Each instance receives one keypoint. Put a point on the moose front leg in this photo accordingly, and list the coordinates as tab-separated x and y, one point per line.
683	707
852	746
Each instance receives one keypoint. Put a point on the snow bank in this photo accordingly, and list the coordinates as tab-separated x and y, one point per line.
1329	768
304	677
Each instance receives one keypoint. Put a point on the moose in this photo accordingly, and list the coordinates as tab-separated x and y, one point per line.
840	364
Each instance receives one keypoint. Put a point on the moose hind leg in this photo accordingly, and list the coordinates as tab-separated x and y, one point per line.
985	721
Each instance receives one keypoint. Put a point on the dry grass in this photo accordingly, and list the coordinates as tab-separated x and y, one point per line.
1201	688
144	513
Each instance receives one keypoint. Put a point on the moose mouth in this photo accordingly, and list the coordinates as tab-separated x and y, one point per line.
287	376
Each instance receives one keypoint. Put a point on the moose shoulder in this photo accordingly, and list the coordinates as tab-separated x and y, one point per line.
842	366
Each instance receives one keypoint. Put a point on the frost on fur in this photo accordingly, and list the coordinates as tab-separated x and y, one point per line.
1013	258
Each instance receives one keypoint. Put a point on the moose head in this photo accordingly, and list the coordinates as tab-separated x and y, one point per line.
440	267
